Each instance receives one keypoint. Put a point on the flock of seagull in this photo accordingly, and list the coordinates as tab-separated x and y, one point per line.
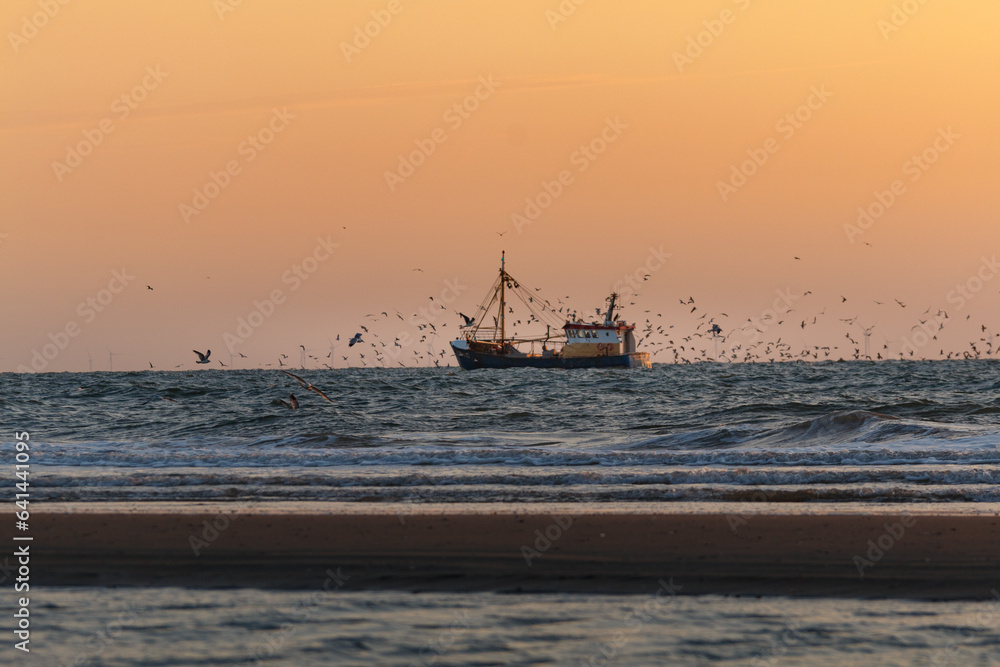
716	337
743	341
708	337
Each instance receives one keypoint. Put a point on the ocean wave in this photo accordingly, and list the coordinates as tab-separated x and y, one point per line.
327	451
805	431
856	426
758	496
432	477
838	428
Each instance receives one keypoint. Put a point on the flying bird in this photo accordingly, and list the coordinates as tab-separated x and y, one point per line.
355	339
202	358
292	403
307	385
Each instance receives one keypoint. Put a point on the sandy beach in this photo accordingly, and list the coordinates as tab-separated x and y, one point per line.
921	555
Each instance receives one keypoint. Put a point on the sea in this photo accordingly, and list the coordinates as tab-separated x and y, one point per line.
795	437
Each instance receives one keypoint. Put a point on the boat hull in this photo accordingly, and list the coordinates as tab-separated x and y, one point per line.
473	359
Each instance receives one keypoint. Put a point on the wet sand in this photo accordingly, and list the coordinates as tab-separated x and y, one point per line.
866	555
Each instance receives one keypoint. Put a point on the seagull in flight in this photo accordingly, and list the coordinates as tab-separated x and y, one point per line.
307	385
292	403
468	320
202	358
355	339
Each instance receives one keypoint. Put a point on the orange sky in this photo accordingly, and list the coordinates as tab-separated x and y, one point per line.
684	119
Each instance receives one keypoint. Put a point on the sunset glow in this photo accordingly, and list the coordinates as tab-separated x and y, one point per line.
302	160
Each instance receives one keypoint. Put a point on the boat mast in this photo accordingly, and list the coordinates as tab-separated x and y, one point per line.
503	279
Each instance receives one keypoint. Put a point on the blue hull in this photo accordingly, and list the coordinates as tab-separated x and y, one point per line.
471	360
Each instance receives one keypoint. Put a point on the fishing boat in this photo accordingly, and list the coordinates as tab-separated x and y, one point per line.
485	342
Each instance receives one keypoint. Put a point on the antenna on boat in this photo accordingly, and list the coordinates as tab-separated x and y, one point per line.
503	281
610	317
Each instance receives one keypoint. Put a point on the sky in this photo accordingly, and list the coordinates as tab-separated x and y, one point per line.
318	163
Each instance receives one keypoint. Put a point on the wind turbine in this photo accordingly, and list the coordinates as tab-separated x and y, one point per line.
90	362
715	331
303	353
867	334
111	358
430	346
